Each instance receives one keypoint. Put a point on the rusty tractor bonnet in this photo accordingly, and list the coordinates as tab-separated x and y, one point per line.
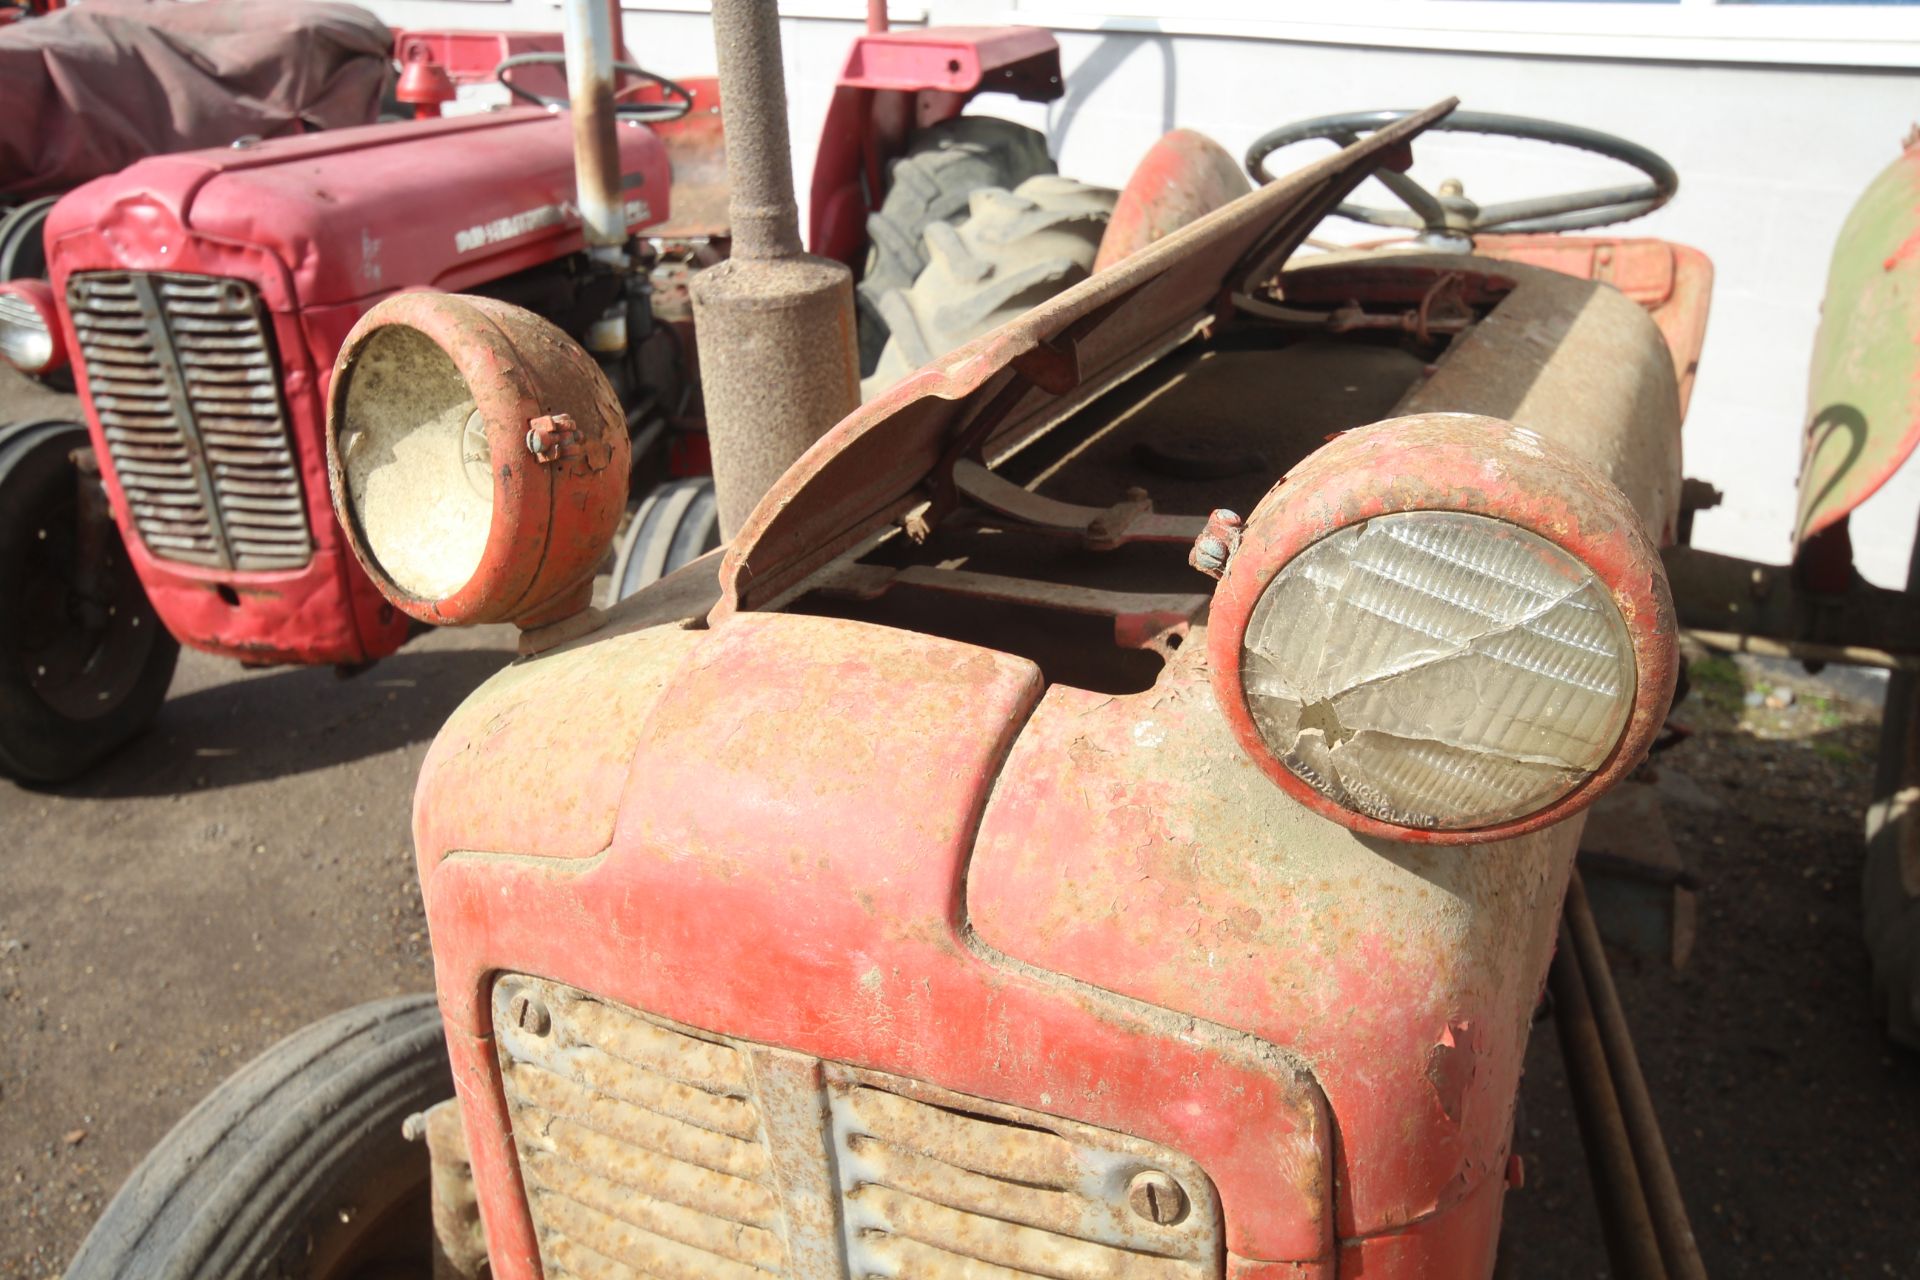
478	460
1470	652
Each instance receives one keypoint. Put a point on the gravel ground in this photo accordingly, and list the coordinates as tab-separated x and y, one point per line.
245	868
1794	1123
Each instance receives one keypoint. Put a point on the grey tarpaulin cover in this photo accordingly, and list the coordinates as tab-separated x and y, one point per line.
87	91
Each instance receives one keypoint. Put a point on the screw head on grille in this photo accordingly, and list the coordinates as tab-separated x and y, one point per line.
1155	1196
530	1014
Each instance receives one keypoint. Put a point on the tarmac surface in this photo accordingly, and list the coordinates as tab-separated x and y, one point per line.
246	867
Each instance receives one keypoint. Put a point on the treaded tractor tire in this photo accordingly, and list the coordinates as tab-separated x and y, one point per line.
677	523
1015	250
1890	884
294	1166
69	696
944	165
23	250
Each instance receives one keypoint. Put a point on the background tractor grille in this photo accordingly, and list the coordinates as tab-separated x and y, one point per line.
184	381
649	1149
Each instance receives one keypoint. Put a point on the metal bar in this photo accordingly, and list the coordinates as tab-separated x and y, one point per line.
1806	651
1624	1218
590	40
1665	1206
1745	604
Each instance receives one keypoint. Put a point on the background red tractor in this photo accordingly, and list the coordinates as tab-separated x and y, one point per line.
203	296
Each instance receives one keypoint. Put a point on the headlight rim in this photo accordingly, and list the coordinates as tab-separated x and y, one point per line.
1475	465
546	519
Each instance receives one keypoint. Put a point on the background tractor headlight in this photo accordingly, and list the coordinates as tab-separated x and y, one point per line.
1442	628
478	460
30	338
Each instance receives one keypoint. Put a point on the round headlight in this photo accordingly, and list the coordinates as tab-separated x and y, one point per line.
1441	628
478	460
30	338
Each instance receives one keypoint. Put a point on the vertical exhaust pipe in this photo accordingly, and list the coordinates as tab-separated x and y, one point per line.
592	40
775	326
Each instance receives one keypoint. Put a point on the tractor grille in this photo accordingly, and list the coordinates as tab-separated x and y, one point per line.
651	1149
184	381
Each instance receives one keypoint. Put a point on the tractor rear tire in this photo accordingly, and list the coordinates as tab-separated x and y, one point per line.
23	250
295	1166
79	676
676	524
944	165
1890	888
1015	250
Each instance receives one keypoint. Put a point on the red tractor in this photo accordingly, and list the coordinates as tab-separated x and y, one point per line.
202	298
1107	811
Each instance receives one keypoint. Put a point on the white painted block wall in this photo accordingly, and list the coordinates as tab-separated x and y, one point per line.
1770	159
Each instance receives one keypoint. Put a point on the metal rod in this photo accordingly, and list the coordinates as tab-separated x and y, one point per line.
590	40
1624	1218
1806	650
1664	1203
876	16
753	113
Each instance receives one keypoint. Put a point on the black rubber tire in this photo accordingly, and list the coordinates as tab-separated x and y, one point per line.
1015	250
255	1181
677	523
944	165
1890	883
23	250
43	740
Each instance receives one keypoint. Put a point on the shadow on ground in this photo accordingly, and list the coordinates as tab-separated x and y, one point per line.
288	720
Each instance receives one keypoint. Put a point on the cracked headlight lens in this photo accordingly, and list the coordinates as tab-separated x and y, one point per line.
1439	670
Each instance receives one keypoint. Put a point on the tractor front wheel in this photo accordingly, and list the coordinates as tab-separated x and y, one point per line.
677	523
84	661
1891	887
295	1166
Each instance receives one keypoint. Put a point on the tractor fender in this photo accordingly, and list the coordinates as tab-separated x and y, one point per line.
1863	393
1183	177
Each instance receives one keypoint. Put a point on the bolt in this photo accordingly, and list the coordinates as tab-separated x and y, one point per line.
529	1014
1155	1196
1216	543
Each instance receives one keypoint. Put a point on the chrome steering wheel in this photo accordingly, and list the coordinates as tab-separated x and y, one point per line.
1449	216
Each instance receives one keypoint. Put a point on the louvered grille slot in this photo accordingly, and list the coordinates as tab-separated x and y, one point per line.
938	1190
184	381
641	1147
654	1150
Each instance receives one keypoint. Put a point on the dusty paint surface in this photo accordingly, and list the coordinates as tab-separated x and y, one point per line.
1131	843
861	953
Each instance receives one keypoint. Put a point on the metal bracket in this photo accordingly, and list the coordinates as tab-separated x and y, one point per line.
1007	505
